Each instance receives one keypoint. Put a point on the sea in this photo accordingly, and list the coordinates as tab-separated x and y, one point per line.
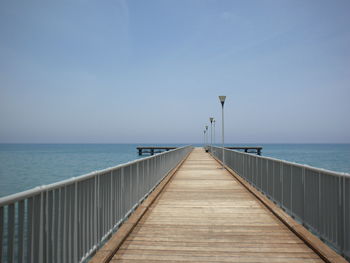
25	166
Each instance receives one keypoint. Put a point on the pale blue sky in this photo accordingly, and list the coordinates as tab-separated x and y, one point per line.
151	71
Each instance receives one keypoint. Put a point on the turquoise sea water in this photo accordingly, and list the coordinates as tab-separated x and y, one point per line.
24	166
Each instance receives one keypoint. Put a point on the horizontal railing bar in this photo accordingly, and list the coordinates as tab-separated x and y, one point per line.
68	220
313	168
316	198
34	191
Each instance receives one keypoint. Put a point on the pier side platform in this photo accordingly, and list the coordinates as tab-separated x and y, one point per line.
203	214
151	150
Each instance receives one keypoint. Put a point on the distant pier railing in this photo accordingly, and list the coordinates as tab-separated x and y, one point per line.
67	221
317	198
247	149
153	149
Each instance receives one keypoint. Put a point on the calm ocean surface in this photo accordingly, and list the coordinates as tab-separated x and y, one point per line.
24	166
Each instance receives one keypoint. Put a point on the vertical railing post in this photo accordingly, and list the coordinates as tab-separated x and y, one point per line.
340	213
65	223
304	195
282	188
112	207
96	210
21	233
10	232
75	237
319	219
1	231
324	192
47	234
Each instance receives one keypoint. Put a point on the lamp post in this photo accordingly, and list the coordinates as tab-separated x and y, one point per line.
206	132
222	100
204	139
214	131
211	133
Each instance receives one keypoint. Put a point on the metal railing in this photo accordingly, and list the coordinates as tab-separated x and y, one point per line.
319	199
67	221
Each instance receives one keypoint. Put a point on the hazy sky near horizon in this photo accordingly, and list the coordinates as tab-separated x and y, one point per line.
112	71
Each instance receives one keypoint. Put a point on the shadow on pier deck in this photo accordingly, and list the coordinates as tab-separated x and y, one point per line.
203	214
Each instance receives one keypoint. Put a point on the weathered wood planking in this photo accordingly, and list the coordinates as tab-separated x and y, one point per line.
204	215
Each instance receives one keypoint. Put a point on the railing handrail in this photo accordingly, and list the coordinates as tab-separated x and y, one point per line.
68	220
318	199
39	189
317	169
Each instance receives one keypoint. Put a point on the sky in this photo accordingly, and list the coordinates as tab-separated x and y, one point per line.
86	71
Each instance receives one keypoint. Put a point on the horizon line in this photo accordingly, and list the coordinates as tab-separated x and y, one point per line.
184	143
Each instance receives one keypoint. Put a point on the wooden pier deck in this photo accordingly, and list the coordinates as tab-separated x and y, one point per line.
205	215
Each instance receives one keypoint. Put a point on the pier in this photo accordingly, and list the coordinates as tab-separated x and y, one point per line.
182	206
247	149
151	150
205	214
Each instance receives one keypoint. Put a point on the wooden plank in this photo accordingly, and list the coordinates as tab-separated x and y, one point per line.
240	260
238	257
106	253
324	251
218	239
204	215
199	247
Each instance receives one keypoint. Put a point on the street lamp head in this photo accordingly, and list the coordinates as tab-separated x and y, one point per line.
211	119
206	127
222	100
